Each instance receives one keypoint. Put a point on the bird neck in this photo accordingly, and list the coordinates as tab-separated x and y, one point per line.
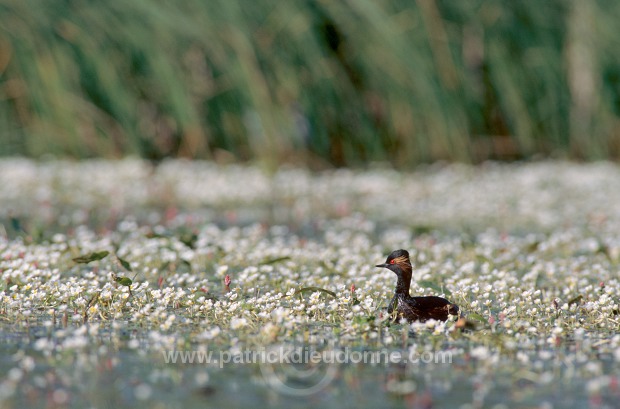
404	281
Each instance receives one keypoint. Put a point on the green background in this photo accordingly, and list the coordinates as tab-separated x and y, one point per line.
317	83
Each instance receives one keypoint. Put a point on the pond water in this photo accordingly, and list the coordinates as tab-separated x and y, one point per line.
530	252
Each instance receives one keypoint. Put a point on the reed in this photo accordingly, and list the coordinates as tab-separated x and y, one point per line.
311	82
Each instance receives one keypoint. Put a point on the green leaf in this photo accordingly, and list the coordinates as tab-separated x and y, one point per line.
576	300
604	249
477	317
274	260
16	224
126	281
314	289
421	229
532	247
153	235
189	239
364	319
87	258
434	287
124	263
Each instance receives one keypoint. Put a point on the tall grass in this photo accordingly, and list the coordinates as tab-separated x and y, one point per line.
318	82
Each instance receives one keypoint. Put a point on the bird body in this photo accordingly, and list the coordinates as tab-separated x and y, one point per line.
414	308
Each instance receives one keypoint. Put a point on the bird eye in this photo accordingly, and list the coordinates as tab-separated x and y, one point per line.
391	261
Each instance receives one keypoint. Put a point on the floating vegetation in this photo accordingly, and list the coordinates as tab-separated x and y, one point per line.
279	266
87	258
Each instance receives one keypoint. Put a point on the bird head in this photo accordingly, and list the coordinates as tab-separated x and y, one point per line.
398	261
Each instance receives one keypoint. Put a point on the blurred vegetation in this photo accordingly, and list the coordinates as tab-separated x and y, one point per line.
311	82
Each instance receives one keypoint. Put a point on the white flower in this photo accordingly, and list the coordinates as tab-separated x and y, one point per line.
221	270
270	330
480	352
210	333
617	354
237	323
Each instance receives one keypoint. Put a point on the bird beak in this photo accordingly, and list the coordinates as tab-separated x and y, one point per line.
381	265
